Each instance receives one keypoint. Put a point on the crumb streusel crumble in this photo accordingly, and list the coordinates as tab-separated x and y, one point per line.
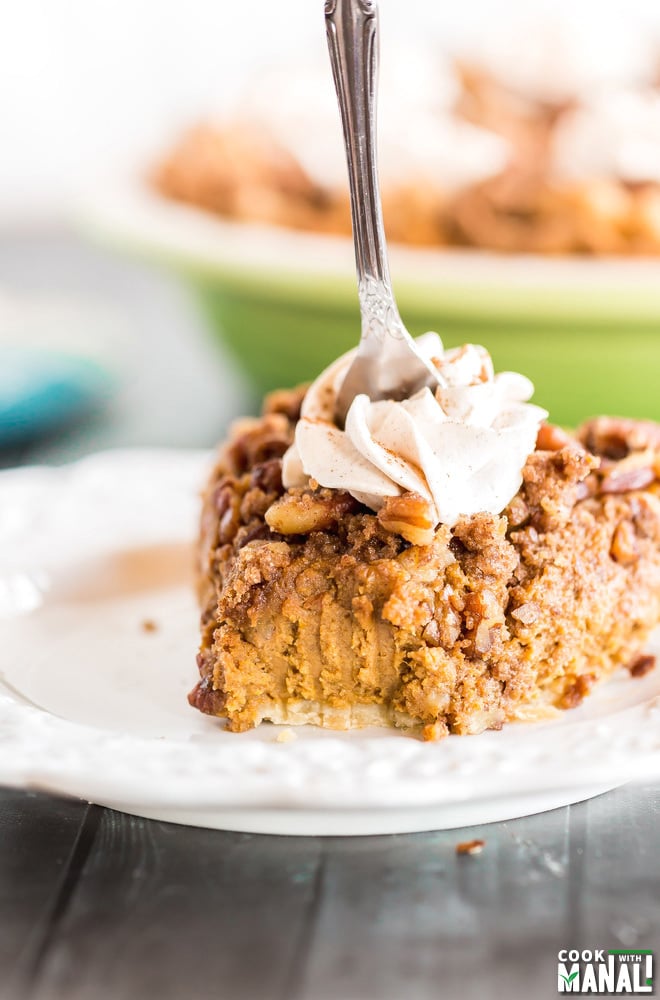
316	609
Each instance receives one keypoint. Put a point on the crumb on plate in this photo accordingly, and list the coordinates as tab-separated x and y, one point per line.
286	736
642	665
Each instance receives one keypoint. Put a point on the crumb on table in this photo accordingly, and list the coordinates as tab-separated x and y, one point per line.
470	847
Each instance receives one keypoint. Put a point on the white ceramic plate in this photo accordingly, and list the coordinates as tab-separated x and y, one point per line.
94	705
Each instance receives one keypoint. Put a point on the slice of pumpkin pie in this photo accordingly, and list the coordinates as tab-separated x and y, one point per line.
444	563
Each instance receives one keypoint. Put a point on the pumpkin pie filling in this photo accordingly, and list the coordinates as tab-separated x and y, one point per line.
318	609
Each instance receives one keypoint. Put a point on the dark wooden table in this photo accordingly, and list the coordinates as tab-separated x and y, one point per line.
96	905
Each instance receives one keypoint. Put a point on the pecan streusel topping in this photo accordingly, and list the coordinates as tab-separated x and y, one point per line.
317	609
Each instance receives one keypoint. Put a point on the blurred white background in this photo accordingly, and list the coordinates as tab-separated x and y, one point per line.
89	91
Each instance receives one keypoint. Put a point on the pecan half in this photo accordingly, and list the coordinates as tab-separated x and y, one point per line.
616	437
206	699
575	694
227	504
552	438
627	480
624	549
300	514
267	476
286	401
410	516
255	442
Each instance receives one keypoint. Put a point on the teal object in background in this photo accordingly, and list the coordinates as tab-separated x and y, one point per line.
42	390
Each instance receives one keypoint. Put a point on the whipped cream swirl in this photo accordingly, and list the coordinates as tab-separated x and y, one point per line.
461	446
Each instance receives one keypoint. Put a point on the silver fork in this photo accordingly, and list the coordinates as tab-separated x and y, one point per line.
387	365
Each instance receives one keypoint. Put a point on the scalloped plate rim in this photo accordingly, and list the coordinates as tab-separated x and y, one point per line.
388	772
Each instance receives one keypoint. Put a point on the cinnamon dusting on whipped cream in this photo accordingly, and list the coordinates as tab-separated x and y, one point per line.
461	445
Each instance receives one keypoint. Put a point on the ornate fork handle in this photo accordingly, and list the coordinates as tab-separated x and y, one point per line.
352	30
387	365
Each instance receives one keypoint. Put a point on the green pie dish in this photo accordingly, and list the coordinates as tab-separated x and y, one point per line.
585	331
